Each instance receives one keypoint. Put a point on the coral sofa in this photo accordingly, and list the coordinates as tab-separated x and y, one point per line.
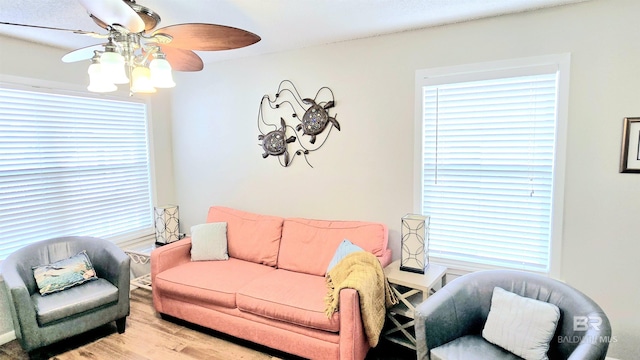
271	290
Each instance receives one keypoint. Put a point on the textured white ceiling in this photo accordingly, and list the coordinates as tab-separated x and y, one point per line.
282	24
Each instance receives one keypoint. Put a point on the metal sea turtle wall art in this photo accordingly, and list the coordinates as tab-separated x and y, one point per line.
314	122
275	142
316	119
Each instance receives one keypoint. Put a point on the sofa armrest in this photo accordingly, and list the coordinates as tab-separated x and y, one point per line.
353	340
114	265
22	309
110	262
595	342
385	258
450	313
169	256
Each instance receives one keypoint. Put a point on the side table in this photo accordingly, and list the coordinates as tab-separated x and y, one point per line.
141	256
411	289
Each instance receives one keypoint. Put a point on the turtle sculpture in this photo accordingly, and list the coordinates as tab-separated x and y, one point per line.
315	119
275	142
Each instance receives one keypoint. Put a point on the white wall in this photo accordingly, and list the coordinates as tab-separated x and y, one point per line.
364	172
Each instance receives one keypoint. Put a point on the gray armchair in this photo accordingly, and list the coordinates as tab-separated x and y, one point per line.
449	323
42	320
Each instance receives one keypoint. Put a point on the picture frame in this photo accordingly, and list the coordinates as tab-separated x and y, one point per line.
630	156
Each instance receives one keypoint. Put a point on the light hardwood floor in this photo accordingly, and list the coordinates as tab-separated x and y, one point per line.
149	337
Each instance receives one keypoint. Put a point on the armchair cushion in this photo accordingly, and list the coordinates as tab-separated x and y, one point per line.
73	301
64	273
471	347
521	325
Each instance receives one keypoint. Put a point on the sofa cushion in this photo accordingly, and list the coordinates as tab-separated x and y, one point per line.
291	297
209	282
471	347
309	245
73	301
250	237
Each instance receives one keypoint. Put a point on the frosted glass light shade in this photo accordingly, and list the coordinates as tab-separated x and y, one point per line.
142	80
161	73
97	81
113	67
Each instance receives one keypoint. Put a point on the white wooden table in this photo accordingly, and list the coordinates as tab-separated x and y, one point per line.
141	256
411	289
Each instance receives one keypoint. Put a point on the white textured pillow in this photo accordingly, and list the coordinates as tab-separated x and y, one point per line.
521	325
209	241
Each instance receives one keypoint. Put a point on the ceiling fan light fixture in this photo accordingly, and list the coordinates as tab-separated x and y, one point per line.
141	80
160	69
113	66
98	82
134	42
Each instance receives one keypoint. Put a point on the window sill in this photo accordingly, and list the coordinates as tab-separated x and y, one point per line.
460	268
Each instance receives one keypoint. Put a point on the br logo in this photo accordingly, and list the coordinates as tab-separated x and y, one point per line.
583	323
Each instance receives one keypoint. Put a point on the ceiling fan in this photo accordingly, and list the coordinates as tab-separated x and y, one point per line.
136	54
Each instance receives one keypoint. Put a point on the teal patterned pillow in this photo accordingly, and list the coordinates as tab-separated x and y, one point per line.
64	274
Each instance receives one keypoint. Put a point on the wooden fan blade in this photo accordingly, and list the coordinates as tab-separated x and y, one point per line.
100	23
182	60
114	12
195	36
82	53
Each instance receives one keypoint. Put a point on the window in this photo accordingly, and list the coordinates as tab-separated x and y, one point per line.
72	165
491	162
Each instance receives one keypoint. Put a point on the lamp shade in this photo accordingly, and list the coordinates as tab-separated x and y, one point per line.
113	67
414	254
161	73
167	223
141	80
97	81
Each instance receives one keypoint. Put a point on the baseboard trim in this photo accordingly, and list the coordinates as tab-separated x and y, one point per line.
8	336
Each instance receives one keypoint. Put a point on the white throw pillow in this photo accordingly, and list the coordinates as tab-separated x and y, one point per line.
209	241
521	325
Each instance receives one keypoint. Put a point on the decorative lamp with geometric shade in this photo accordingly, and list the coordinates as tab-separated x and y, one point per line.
414	254
167	224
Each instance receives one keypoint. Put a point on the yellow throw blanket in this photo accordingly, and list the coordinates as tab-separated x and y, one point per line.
362	271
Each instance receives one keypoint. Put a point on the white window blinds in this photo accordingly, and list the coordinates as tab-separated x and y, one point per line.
72	165
488	161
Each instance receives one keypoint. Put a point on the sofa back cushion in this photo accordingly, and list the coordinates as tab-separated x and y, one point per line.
250	237
309	245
